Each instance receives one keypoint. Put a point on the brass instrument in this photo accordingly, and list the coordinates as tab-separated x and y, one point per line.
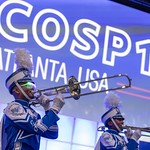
142	129
73	87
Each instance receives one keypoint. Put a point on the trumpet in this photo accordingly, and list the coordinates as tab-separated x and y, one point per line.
73	87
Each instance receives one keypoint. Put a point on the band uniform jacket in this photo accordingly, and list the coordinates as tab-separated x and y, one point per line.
22	127
111	140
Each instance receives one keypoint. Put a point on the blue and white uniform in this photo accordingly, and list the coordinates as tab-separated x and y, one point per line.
111	140
25	127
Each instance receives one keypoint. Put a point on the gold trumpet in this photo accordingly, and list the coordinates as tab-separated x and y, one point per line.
73	87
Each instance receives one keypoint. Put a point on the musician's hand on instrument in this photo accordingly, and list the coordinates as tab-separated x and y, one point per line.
136	135
58	103
128	133
44	101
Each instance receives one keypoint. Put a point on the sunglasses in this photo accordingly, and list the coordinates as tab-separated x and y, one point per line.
29	85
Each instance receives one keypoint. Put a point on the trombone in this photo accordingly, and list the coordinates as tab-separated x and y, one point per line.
73	87
142	129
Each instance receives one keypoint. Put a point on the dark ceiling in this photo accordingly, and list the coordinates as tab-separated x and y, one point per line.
143	5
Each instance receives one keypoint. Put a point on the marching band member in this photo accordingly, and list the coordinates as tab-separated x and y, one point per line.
114	121
21	125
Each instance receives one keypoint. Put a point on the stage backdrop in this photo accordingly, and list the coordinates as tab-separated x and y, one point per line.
86	39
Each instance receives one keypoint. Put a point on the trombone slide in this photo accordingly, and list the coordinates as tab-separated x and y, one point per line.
144	129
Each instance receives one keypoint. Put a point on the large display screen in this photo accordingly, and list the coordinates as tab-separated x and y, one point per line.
86	39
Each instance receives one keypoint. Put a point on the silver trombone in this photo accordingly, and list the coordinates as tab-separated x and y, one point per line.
73	87
142	129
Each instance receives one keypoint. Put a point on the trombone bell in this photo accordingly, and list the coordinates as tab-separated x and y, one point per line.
73	88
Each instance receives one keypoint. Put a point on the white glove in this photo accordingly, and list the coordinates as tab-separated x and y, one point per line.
44	101
128	133
136	135
58	103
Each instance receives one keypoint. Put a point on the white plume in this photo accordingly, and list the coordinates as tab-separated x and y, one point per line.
23	59
111	100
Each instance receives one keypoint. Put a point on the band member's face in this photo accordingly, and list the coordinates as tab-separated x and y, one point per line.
29	88
119	122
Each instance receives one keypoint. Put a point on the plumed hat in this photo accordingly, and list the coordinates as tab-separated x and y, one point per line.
112	104
24	69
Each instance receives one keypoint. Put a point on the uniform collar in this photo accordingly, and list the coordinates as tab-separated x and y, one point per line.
113	131
22	102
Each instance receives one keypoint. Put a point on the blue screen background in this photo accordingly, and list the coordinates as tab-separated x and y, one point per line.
135	100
